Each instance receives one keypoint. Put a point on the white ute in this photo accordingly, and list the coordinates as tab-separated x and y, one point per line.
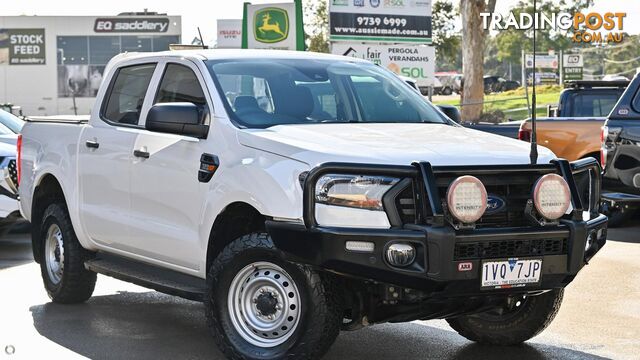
297	194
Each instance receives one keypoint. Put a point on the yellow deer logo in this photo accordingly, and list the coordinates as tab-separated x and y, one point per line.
266	26
271	25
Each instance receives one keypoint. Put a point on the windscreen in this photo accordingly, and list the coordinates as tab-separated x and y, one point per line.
265	92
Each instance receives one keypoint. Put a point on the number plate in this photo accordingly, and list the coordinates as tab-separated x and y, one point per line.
503	274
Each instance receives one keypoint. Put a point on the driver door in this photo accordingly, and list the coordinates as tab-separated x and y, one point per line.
166	196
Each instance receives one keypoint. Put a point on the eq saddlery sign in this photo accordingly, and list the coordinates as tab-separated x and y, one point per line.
22	47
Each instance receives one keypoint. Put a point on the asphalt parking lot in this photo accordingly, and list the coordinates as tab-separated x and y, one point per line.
600	318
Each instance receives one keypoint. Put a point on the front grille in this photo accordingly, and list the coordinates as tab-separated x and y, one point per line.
513	189
509	248
13	171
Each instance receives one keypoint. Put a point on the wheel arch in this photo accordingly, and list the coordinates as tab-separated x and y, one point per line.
236	219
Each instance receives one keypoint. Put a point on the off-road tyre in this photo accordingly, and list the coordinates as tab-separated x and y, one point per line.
512	328
76	284
320	314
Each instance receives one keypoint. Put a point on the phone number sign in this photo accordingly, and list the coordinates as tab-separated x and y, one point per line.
380	21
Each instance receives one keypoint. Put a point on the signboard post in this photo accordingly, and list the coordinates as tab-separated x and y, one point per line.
417	62
273	26
380	21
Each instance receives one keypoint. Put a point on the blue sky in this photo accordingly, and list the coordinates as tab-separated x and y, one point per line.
204	14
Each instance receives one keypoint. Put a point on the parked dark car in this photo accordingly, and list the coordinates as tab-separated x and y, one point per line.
494	84
620	156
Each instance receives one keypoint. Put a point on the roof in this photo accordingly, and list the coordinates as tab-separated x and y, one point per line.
223	54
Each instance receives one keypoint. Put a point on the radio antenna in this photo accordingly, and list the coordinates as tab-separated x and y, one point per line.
201	40
533	155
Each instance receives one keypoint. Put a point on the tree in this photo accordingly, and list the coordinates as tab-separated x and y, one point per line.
473	37
446	39
316	25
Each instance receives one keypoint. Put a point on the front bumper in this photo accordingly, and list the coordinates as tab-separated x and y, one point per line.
440	249
436	270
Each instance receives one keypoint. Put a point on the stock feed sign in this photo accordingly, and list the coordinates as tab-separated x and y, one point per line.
22	47
380	20
414	61
273	26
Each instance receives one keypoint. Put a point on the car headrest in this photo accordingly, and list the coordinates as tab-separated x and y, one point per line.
298	102
245	103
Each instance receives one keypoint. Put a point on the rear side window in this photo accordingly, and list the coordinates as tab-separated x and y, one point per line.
593	104
180	84
127	92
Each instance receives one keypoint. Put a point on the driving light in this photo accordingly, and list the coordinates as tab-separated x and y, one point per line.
355	191
360	246
551	196
400	254
467	199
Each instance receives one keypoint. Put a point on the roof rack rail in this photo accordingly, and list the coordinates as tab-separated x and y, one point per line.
595	83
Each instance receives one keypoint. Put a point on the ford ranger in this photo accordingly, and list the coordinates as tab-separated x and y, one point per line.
297	194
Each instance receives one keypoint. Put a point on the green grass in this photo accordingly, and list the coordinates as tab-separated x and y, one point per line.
508	101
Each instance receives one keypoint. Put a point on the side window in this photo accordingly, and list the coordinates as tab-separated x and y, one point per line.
635	103
126	94
247	89
180	84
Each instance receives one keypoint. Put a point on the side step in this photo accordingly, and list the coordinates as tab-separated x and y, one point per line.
149	276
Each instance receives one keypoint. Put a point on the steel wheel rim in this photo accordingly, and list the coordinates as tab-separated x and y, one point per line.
54	253
256	287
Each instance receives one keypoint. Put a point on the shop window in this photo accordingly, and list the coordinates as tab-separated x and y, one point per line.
73	50
103	48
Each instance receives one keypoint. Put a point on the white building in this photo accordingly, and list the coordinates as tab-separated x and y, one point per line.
47	61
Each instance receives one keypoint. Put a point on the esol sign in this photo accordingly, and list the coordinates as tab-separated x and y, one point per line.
131	25
414	61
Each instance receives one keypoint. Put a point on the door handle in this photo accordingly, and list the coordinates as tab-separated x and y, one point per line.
92	144
141	154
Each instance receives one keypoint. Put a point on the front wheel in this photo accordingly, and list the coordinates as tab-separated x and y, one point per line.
260	306
522	318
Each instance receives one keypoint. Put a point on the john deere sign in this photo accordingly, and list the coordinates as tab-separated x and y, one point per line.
270	25
273	26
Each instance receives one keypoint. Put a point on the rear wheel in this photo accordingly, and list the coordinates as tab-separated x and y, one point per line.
62	259
260	306
522	318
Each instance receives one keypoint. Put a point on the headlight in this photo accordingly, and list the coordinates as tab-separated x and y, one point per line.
352	201
467	199
551	196
362	192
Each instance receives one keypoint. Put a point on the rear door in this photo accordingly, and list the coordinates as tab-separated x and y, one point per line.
104	157
166	197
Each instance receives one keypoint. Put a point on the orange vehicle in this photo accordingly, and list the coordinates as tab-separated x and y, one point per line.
572	129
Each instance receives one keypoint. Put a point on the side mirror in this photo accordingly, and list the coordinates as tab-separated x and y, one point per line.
182	118
451	111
